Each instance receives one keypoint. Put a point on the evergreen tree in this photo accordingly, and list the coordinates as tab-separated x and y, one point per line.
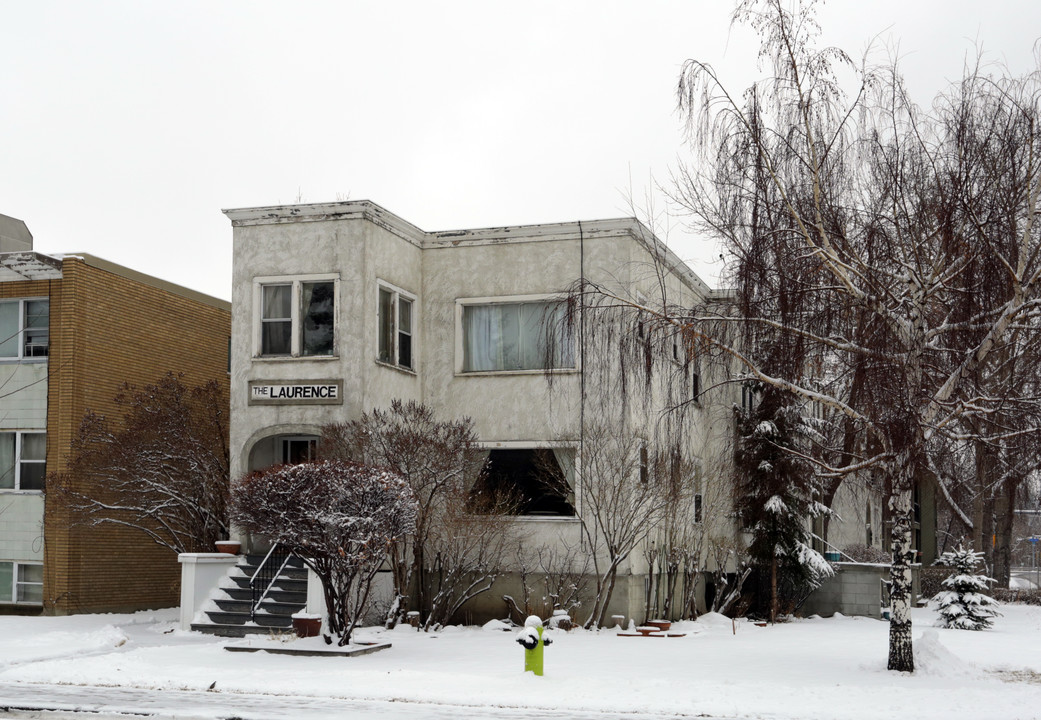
777	496
964	603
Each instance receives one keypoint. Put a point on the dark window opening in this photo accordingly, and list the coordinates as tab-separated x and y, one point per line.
529	479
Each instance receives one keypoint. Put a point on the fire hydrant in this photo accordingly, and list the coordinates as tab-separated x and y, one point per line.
531	638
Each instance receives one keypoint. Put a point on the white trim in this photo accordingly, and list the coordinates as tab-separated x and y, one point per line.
397	293
296	283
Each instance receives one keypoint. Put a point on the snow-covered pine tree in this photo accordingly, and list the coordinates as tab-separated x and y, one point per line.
776	497
964	603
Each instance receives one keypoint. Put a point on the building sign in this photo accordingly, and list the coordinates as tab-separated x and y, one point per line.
296	392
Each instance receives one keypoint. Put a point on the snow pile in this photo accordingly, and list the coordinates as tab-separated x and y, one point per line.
932	658
60	644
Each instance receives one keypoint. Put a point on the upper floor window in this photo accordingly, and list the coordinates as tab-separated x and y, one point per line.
21	583
24	328
396	321
23	460
507	336
297	316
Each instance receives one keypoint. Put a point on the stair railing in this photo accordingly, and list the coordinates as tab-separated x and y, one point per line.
264	578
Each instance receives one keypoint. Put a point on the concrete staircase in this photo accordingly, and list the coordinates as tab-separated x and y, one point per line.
288	595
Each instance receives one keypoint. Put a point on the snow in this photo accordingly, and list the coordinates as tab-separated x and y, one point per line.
809	669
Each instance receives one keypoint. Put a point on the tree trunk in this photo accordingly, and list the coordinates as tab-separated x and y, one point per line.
1004	513
900	590
773	589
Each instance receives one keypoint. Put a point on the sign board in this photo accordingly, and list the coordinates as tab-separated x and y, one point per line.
296	392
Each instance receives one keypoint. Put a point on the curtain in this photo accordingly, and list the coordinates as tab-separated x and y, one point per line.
516	336
7	460
9	329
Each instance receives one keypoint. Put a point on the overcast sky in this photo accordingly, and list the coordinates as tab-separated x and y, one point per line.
125	127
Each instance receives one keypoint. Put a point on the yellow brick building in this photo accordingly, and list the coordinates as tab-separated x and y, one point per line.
73	329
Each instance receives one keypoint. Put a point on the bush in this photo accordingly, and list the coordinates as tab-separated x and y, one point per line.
1026	597
340	518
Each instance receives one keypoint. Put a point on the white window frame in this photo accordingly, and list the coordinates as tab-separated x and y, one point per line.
460	349
296	316
16	565
22	316
18	461
397	295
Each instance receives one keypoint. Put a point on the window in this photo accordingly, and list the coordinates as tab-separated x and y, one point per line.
21	583
24	329
698	515
516	336
748	393
535	481
695	381
23	460
299	449
396	328
297	316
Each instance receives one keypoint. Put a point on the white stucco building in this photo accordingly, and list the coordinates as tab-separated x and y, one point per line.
340	308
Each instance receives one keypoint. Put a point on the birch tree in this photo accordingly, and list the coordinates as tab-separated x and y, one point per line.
862	229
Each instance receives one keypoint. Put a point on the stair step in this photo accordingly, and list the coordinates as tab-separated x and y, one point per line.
281	583
268	607
263	619
221	630
298	597
293	573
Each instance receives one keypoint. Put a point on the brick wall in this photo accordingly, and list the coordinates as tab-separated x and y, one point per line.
107	329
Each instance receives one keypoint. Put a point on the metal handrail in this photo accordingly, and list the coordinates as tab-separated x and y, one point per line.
265	577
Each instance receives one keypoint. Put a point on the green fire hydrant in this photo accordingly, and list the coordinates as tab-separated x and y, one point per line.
531	638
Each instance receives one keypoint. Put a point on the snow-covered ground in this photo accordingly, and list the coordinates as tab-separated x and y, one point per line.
814	668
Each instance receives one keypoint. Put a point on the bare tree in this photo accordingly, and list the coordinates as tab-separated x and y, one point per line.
552	581
162	471
621	500
859	229
340	518
456	548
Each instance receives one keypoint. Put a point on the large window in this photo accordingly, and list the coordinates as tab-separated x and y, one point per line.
396	332
23	460
516	336
21	583
24	329
297	316
532	481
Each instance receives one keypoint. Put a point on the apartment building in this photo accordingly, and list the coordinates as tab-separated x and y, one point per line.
340	308
73	329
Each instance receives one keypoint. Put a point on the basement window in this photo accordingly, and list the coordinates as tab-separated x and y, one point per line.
529	481
21	583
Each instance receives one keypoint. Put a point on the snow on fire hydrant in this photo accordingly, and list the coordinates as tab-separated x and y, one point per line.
531	638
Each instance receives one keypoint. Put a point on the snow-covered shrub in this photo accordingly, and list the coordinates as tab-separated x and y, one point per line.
964	603
340	518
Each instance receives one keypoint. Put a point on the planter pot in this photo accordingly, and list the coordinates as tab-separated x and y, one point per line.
228	547
306	627
662	625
